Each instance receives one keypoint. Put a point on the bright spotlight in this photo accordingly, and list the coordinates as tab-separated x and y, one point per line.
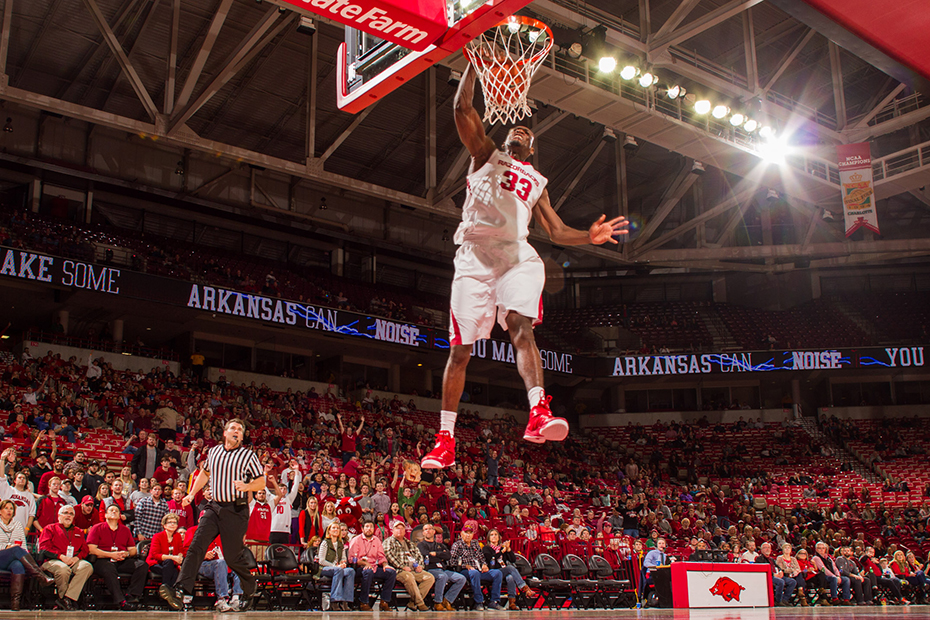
628	72
737	119
607	64
702	106
750	126
767	132
720	111
774	151
647	79
513	26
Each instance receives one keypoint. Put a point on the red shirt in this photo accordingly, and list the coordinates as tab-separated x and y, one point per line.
161	546
348	442
107	539
186	516
56	539
83	521
47	511
162	474
259	523
43	482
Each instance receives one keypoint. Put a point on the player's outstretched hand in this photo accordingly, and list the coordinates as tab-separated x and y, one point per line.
603	231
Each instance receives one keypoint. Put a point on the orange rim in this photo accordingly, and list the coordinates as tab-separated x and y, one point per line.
526	21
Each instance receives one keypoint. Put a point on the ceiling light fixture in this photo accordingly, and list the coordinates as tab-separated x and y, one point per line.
737	119
767	132
575	49
323	203
607	64
702	106
720	111
750	126
647	79
628	72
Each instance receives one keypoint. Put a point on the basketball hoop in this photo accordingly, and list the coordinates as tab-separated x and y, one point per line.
506	57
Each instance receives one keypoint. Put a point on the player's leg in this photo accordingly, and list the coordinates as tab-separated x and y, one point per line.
471	317
542	424
519	299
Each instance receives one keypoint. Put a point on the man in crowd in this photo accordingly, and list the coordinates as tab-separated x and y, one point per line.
849	568
467	556
145	461
63	549
405	558
112	543
367	552
823	562
86	514
782	585
18	493
149	513
437	556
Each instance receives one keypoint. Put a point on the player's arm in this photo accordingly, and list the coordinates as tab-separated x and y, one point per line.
600	231
468	121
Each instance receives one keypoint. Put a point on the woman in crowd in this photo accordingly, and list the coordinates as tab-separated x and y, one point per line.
792	569
129	485
167	551
328	515
498	555
334	562
103	492
13	555
311	522
393	515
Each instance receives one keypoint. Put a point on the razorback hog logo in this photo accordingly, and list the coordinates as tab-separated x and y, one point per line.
727	588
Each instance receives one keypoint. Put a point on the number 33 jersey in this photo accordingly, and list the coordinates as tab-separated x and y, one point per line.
500	200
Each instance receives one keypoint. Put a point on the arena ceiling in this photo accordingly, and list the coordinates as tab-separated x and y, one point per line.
231	79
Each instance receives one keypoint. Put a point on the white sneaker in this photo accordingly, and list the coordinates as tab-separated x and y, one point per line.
234	601
222	605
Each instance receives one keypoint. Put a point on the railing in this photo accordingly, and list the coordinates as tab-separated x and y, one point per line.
101	345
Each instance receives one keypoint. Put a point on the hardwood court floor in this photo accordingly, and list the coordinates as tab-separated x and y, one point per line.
832	613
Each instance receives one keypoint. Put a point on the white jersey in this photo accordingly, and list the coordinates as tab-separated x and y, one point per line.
24	500
500	200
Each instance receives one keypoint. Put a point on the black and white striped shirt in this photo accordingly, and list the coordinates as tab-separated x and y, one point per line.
227	466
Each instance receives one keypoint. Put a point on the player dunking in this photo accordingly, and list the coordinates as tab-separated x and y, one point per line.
498	275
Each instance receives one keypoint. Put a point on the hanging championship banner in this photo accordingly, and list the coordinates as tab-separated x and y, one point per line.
855	163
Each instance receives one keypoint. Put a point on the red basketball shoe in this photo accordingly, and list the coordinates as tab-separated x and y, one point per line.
543	426
442	455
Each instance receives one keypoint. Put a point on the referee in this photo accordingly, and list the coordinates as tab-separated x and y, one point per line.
232	470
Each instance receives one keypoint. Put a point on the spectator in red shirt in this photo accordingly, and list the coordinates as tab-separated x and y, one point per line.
167	551
63	548
349	438
112	543
186	516
47	510
166	473
259	530
86	515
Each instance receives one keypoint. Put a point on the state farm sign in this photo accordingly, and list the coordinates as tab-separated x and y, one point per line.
412	24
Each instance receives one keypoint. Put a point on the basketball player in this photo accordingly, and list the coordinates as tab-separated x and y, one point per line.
497	273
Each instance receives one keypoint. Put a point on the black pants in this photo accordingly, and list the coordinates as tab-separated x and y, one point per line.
109	572
230	524
279	538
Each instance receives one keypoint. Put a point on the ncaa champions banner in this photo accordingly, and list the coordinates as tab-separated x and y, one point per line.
855	163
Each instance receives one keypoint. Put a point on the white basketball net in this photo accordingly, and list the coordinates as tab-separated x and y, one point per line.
506	57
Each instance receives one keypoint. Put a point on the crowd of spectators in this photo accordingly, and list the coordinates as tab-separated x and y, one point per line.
335	466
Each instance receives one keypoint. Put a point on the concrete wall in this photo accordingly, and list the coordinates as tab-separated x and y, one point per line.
117	360
729	416
876	413
434	404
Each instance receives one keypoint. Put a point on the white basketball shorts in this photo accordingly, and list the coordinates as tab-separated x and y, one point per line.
493	278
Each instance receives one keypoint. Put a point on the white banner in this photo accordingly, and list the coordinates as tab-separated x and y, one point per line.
727	589
855	164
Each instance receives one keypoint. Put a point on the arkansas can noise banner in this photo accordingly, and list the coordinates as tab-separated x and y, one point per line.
855	163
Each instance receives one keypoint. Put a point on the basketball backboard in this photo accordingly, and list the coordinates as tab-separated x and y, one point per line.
370	66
